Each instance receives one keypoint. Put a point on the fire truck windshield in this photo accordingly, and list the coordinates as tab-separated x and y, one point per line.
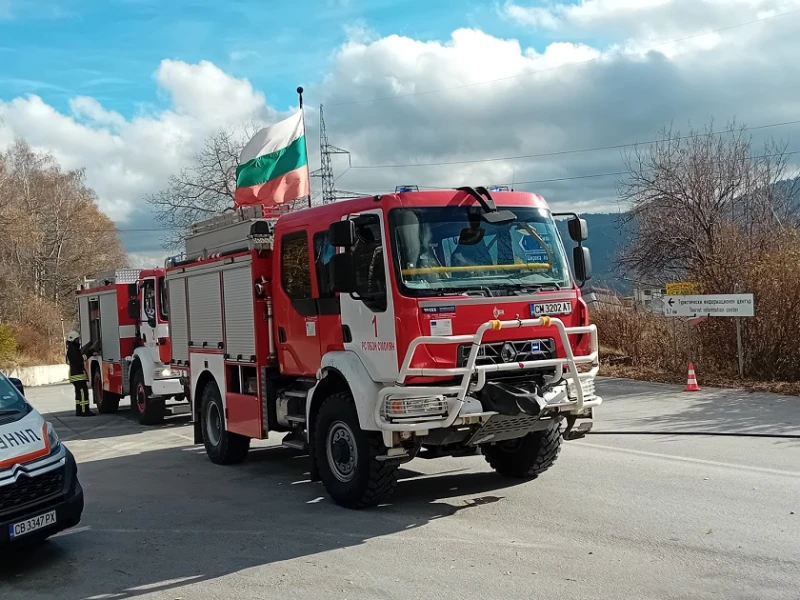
451	250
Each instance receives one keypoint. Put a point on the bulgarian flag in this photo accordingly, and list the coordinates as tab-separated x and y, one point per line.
273	166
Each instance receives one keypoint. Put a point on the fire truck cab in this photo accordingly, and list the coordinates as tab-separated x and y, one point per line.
127	310
376	330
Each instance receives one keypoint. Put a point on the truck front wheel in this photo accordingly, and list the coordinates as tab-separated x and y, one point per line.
222	447
347	457
526	457
150	410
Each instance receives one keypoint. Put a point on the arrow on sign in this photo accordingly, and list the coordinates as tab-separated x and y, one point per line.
671	301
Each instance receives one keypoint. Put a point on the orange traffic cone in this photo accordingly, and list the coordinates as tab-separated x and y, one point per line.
691	381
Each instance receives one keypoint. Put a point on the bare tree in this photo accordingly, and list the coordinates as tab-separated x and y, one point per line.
53	234
691	196
204	188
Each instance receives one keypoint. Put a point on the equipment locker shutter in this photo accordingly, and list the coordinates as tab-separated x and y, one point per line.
109	326
83	310
178	323
205	310
240	336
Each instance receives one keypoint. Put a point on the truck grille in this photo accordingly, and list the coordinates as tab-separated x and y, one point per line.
28	490
498	353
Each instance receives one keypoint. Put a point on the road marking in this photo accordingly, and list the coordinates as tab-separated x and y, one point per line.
72	531
697	461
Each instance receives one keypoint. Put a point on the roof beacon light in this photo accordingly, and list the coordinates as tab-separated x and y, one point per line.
406	188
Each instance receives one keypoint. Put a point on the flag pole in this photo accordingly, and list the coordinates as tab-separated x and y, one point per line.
303	116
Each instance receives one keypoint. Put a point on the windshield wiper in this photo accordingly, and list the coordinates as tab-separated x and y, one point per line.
482	290
528	288
8	411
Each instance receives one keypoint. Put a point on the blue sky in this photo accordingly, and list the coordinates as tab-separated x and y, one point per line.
109	49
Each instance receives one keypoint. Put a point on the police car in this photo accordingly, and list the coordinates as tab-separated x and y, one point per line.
39	490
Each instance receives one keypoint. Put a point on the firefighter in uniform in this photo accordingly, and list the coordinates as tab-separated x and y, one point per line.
76	358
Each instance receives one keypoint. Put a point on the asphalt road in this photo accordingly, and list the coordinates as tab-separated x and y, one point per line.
631	512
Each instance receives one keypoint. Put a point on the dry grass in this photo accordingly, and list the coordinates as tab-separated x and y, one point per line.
638	344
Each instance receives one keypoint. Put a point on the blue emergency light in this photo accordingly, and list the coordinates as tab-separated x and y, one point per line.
405	188
498	188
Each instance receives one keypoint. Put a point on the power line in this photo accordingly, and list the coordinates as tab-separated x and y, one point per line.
436	188
575	64
569	178
564	152
444	188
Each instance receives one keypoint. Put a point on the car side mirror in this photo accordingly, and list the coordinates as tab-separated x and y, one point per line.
582	262
342	234
342	273
17	383
578	230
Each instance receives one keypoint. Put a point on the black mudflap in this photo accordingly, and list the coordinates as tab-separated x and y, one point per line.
507	427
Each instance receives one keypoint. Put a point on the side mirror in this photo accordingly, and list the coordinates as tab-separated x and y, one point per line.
578	230
151	321
582	262
342	234
343	273
17	383
133	308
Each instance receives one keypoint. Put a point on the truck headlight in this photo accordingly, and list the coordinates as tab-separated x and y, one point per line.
52	438
163	373
404	408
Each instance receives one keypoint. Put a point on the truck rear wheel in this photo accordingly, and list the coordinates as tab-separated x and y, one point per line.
346	456
106	402
222	447
150	410
526	457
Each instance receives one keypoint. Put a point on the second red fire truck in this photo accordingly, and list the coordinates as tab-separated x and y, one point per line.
127	311
376	330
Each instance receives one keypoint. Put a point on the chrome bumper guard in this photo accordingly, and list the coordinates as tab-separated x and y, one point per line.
574	396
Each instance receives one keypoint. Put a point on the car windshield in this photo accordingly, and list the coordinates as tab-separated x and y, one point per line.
10	399
451	250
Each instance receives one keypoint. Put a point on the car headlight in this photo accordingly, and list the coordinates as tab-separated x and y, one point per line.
52	438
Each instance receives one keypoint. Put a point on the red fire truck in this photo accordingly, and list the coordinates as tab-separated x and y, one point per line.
375	330
127	311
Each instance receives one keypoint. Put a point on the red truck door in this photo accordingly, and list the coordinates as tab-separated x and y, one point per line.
296	319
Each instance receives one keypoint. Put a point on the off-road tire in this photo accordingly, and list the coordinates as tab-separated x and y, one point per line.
148	409
528	457
373	481
106	402
230	448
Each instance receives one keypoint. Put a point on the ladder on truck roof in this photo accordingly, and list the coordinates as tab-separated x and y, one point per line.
249	228
119	276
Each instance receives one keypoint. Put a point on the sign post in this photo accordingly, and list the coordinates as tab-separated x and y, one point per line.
709	305
739	347
714	305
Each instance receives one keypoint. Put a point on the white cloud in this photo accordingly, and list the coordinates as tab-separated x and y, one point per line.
242	55
645	20
126	159
564	96
146	260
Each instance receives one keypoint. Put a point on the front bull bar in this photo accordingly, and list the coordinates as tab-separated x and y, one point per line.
456	394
